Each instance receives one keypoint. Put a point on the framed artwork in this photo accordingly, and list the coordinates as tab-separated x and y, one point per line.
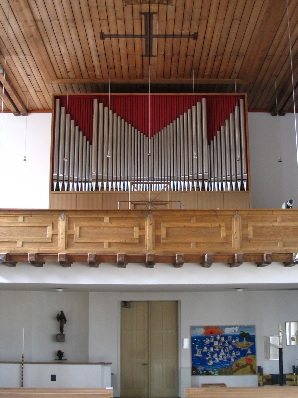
223	350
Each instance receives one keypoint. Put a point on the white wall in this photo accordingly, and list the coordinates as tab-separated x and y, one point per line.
272	182
35	312
93	327
26	184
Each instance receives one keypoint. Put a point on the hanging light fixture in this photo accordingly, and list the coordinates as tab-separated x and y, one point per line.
276	113
292	80
108	152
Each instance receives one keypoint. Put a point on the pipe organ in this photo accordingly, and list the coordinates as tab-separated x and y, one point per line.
175	142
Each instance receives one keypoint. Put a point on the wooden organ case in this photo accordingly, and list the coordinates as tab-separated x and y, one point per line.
126	151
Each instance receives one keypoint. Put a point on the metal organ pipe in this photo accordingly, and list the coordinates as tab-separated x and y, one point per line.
180	158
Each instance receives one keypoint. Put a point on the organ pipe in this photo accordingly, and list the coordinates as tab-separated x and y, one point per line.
183	155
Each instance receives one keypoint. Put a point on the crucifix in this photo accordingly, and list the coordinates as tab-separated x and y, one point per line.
148	34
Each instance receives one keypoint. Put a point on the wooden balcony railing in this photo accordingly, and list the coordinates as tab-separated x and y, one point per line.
149	237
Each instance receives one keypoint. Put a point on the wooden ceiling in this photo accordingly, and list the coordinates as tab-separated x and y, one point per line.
56	46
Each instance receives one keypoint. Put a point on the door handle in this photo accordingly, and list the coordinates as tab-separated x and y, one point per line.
144	363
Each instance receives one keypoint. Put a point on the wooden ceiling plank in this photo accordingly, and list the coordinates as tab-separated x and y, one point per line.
232	34
65	40
202	26
100	65
263	90
262	38
129	43
73	36
169	29
141	61
226	15
32	35
191	45
161	19
210	29
49	27
245	33
176	43
29	76
120	22
82	40
220	19
20	64
107	57
113	61
185	43
92	37
277	64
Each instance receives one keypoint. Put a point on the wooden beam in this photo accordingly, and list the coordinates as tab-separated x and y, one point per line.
33	259
293	262
238	260
267	259
10	95
150	260
207	261
153	81
5	259
63	259
179	260
121	260
92	260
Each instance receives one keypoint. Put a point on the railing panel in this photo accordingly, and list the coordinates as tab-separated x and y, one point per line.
150	231
275	231
191	231
28	231
116	232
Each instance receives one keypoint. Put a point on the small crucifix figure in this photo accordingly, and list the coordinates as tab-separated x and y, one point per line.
61	318
148	35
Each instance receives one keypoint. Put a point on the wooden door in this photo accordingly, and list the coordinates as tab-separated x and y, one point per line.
149	349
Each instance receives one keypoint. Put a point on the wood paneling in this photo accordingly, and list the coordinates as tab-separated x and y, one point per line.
67	201
149	236
52	47
236	200
175	200
29	232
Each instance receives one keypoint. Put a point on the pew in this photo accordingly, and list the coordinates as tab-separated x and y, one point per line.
242	392
56	392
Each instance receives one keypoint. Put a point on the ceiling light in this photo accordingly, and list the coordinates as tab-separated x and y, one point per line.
59	289
239	289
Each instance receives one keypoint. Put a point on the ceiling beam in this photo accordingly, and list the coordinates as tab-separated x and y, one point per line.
152	81
17	104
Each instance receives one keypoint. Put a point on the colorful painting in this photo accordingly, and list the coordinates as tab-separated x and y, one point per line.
223	350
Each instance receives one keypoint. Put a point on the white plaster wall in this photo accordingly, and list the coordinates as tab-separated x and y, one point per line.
25	184
35	312
272	182
93	326
110	277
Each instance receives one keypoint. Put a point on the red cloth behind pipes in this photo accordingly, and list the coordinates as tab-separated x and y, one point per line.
135	110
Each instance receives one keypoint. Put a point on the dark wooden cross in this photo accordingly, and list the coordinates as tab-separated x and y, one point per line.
148	35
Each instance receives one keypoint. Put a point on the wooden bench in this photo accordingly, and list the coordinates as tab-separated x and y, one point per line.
242	392
56	392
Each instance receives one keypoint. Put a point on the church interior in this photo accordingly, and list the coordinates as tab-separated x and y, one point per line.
148	174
